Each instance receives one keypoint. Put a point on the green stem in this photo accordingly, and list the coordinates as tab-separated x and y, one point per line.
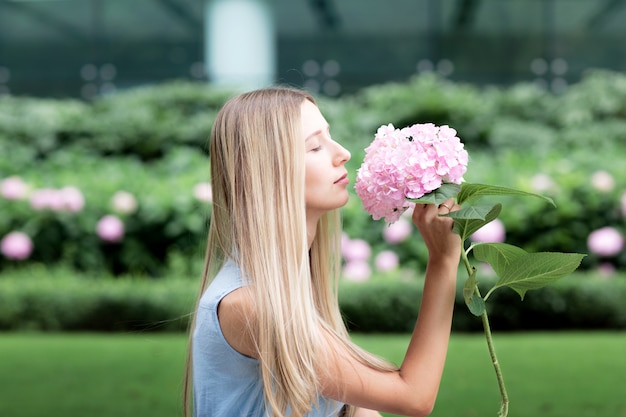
504	407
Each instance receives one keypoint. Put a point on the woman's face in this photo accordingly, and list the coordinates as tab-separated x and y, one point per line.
326	177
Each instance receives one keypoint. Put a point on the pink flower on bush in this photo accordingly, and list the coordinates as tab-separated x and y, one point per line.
606	241
492	232
17	246
386	261
355	250
602	181
13	188
397	232
357	271
542	183
408	163
203	192
67	198
47	199
124	202
606	269
110	229
73	199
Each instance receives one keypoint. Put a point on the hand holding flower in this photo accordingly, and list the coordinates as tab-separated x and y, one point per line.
436	230
424	165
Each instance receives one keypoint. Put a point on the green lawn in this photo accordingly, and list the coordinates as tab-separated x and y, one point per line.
137	375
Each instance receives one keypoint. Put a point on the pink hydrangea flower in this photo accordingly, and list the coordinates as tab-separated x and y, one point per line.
606	269
606	241
124	202
13	188
67	198
355	250
357	271
47	199
386	260
408	163
492	232
203	192
73	199
602	181
110	229
397	232
541	183
17	246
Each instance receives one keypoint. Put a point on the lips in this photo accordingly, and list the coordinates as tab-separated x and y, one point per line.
342	179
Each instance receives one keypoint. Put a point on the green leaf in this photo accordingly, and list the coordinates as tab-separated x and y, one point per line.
438	196
498	255
475	191
470	219
474	302
536	270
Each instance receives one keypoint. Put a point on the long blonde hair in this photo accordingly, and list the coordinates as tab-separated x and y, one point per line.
258	219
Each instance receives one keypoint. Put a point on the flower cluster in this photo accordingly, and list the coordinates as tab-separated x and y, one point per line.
16	246
356	256
408	163
19	245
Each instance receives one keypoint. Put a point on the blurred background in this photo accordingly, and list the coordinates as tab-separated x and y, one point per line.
105	195
82	48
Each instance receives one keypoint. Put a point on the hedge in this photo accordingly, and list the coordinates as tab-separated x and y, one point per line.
151	143
40	299
579	302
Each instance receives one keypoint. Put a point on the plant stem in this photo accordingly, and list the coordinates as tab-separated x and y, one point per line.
504	407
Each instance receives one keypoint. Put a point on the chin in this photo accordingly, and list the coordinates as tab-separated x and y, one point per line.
344	201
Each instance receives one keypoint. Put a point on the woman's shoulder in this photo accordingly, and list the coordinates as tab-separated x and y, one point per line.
237	316
236	310
228	279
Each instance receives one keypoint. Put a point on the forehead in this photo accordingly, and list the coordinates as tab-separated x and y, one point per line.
311	118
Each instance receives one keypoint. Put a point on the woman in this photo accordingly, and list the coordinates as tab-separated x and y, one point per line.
268	338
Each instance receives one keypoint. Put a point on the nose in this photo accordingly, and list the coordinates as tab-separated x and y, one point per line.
342	155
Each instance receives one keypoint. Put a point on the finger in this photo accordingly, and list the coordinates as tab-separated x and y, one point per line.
445	207
421	212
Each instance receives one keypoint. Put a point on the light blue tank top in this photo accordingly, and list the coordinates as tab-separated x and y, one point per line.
225	382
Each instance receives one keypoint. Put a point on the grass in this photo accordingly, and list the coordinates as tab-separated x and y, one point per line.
546	374
119	375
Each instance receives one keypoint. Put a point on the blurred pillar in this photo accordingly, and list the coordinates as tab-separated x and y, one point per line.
240	43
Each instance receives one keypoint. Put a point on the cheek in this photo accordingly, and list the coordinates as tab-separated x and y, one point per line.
312	184
309	184
309	175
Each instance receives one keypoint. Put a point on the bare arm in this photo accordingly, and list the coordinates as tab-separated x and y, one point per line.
413	389
363	412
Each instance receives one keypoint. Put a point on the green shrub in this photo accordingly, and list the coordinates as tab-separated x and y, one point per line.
168	217
148	122
57	299
145	122
431	99
151	142
35	127
574	303
53	299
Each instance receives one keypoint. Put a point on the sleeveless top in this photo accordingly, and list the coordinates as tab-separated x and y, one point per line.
225	382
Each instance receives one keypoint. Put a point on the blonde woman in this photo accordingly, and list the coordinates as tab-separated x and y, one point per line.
268	338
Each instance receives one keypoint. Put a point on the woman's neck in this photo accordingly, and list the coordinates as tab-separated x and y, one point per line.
311	229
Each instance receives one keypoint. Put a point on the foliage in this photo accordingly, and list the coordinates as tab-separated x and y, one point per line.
41	299
151	142
168	217
145	122
57	299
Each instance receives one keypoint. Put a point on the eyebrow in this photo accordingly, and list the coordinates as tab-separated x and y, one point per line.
317	132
